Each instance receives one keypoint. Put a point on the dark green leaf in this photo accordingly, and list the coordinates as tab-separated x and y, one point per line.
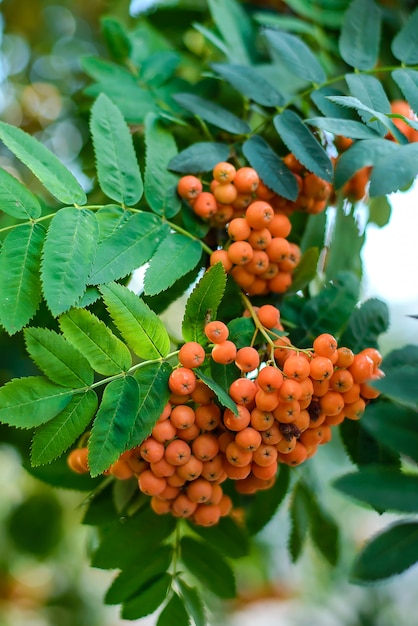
55	437
385	178
235	27
407	81
366	323
241	331
103	350
265	503
306	148
116	37
212	113
224	375
20	286
58	474
323	529
305	271
299	518
364	449
360	34
295	55
148	600
323	13
328	108
369	90
57	358
16	199
388	553
270	167
175	256
250	84
193	602
31	401
208	566
160	184
203	304
361	154
199	157
117	167
174	612
128	247
400	385
345	247
383	488
56	178
314	232
407	355
348	128
405	43
229	538
221	394
140	327
67	258
113	424
395	426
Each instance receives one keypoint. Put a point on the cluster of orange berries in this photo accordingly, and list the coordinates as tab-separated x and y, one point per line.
287	403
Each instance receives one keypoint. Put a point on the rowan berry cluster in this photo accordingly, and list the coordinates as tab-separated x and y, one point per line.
287	400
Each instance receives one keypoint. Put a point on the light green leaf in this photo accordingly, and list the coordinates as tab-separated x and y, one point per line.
20	285
203	302
140	327
323	13
154	394
345	247
236	29
55	437
405	43
380	210
134	102
193	602
385	178
209	566
176	256
31	401
174	612
110	218
116	37
249	82
306	148
348	128
199	157
270	167
407	81
103	350
113	423
128	247
67	258
16	199
117	166
212	113
160	183
388	553
360	34
57	358
56	178
295	55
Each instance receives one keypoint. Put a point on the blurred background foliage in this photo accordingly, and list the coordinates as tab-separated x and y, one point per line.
44	575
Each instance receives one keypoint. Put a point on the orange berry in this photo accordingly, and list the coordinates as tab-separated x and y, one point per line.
290	390
242	276
225	193
258	263
208	416
200	490
264	193
239	229
177	452
163	432
345	357
182	416
260	239
205	446
331	403
182	381
237	455
224	352
296	366
272	436
270	378
280	225
361	368
191	470
201	393
77	460
189	433
266	400
189	187
269	315
265	455
286	445
321	368
354	410
225	505
287	412
216	331
240	252
234	472
207	514
236	422
121	470
261	420
150	484
224	172
160	506
242	391
264	472
191	354
248	439
212	470
259	214
221	256
162	468
246	180
247	359
205	205
183	506
326	345
281	282
341	380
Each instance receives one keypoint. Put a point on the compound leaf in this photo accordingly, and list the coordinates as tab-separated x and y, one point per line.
295	55
16	199
360	34
212	113
209	566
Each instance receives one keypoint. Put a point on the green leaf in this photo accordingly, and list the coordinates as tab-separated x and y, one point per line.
128	247
348	128
221	394
366	323
241	331
271	168
113	424
323	13
159	67
31	401
248	81
20	286
407	355
199	157
404	44
193	602
175	256
306	148
235	27
360	34
106	71
380	211
67	258
137	576
229	538
305	271
148	600
154	394
388	553
324	532
369	90
208	566
400	385
174	612
58	474
345	247
265	504
320	97
203	303
55	437
407	81
140	327
110	218
116	37
299	518
160	184
57	358
314	232
56	178
212	113
16	199
295	55
117	167
103	350
361	154
134	102
364	449
383	488
394	425
385	178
